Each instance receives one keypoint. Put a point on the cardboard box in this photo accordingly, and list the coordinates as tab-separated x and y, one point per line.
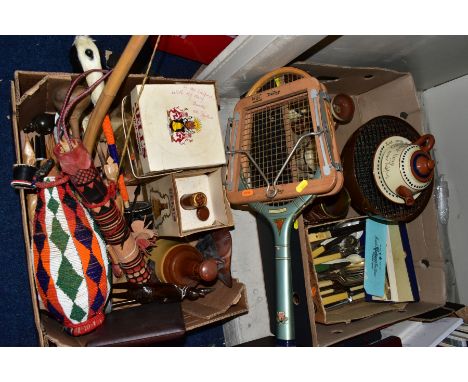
347	313
173	220
220	305
177	127
31	94
377	92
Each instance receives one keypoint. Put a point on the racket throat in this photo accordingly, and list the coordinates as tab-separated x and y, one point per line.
284	307
284	316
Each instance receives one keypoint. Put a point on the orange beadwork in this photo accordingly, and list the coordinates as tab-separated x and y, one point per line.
123	189
108	132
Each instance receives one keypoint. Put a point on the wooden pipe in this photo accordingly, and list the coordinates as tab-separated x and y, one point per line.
110	90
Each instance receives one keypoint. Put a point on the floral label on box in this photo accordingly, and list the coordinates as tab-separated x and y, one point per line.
182	126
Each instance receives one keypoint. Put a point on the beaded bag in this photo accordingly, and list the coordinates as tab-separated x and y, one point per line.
71	266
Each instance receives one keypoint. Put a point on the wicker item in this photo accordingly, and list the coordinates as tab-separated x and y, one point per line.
358	158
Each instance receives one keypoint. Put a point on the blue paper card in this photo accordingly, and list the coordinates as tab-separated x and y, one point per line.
375	254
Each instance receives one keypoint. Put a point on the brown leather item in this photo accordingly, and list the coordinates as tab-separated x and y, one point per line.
143	325
223	242
328	208
217	246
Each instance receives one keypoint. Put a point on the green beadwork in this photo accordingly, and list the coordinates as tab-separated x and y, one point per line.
58	236
77	313
68	280
53	205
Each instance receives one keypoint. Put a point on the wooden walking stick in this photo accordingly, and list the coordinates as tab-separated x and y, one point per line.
110	90
88	55
76	162
125	253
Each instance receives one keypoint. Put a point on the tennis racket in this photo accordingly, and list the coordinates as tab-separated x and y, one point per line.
281	154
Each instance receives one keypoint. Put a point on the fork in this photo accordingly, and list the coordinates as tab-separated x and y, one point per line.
345	277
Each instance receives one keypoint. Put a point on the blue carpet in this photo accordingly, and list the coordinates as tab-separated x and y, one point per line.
50	54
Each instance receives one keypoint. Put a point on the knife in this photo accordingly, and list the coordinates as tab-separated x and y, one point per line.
336	231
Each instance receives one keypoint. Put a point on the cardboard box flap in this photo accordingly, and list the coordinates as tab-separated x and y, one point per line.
388	100
32	103
331	334
359	310
353	81
34	90
216	302
463	313
26	82
220	210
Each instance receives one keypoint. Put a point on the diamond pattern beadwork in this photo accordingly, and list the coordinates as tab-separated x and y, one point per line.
70	260
77	314
42	277
53	205
68	280
58	236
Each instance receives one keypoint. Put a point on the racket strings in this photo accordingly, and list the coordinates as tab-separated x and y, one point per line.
270	135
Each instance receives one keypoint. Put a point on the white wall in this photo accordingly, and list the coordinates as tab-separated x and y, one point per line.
246	265
446	108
